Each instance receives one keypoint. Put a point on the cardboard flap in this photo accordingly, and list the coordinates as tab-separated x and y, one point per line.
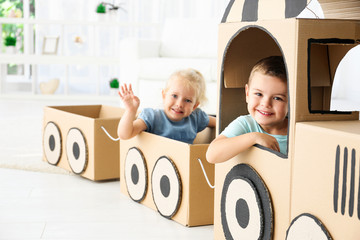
341	9
111	112
205	136
91	111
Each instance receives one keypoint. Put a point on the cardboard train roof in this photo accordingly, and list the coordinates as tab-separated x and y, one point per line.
254	10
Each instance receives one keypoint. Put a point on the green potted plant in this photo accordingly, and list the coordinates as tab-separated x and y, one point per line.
10	43
114	86
101	8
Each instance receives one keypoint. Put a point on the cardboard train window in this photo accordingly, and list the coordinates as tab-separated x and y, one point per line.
346	87
325	56
245	48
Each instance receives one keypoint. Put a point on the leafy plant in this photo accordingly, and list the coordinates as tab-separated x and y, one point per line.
10	41
114	83
101	8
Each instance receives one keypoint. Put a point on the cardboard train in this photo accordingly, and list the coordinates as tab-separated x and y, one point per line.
167	176
163	174
74	139
312	192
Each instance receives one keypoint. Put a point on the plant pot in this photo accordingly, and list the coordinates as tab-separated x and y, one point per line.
114	91
101	16
10	50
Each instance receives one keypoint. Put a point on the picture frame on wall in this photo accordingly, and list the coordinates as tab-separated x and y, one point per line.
50	45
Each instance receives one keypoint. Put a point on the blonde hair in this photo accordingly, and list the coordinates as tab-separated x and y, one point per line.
194	79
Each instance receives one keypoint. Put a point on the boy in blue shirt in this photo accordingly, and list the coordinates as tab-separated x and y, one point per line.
267	123
181	119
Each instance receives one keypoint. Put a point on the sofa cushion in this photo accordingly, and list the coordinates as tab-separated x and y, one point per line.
190	38
162	68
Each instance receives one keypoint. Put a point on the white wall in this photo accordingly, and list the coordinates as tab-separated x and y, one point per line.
142	19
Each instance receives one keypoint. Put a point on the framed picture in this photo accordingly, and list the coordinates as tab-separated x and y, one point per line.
50	45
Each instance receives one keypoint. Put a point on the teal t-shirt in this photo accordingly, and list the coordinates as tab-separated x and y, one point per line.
247	124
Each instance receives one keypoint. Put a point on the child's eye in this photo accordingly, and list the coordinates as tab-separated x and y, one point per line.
258	94
188	101
278	99
174	95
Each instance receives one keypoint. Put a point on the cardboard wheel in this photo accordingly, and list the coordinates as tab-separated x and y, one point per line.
246	209
52	143
166	187
136	174
307	227
76	150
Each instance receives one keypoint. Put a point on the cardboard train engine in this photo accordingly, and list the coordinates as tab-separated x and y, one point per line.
312	192
74	139
167	176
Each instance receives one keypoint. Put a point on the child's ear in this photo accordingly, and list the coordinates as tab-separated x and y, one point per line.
196	105
163	93
246	92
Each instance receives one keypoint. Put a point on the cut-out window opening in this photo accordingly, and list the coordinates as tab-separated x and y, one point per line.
345	95
324	57
244	49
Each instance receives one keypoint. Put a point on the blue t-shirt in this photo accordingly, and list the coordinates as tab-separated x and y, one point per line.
247	124
184	130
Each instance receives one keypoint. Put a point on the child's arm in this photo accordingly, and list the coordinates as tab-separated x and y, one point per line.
129	127
212	121
222	148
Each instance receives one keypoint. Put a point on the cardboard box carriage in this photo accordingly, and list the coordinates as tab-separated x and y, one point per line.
73	139
287	186
193	200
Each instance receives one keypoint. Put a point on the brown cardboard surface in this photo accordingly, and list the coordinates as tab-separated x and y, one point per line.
103	153
196	207
274	171
242	43
314	174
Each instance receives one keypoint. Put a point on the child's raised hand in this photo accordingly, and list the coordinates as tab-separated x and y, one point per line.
131	102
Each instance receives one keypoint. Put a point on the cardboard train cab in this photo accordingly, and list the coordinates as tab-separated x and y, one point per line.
166	176
73	139
312	192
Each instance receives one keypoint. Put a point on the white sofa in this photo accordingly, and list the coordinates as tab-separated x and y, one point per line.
147	64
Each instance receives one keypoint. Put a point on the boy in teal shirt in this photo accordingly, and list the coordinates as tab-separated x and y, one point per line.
267	123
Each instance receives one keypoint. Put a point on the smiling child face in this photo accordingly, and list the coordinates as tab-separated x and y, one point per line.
267	101
179	99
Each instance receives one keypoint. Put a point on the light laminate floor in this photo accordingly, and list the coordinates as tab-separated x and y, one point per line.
38	205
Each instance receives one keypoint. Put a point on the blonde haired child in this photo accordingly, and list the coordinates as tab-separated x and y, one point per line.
266	124
180	119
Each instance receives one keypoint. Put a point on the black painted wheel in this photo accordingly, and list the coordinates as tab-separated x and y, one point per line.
166	187
76	150
136	174
246	209
307	227
52	143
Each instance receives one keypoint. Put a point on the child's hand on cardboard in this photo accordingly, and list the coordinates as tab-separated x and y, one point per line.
267	141
131	102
